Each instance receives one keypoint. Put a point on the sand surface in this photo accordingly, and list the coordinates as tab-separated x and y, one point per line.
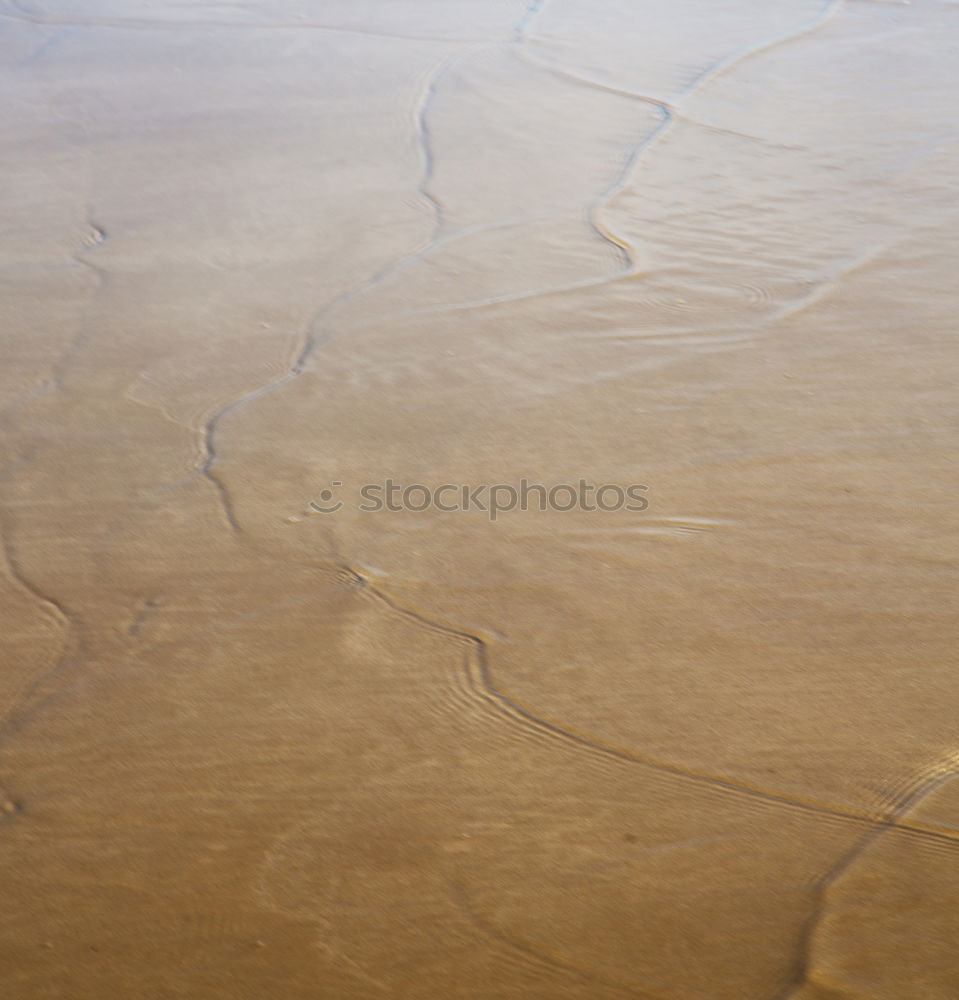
702	751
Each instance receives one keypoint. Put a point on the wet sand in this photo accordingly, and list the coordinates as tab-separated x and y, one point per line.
703	751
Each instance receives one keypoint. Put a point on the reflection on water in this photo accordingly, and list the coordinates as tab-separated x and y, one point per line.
704	750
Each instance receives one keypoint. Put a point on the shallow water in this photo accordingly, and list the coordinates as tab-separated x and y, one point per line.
701	750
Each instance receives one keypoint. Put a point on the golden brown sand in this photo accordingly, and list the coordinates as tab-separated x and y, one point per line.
703	751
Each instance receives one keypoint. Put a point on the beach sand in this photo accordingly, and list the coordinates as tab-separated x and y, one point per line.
257	256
